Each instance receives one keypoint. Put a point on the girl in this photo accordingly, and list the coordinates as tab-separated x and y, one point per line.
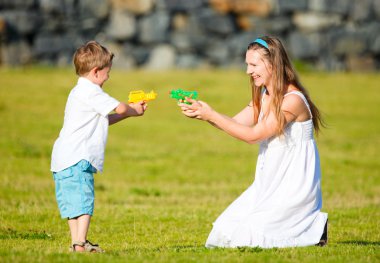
282	206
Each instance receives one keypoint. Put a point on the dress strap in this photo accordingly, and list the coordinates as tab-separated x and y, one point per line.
300	94
261	114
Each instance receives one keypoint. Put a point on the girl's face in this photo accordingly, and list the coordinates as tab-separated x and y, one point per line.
258	68
102	75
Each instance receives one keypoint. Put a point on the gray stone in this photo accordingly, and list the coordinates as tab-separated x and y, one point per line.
339	6
17	53
180	5
370	32
64	59
345	42
331	6
194	33
139	53
52	23
22	4
181	41
284	7
47	45
187	60
154	28
361	10
94	8
139	7
121	59
317	5
376	8
200	33
214	22
122	25
364	63
238	43
72	40
330	63
304	45
217	52
162	57
52	6
56	49
90	25
238	63
279	24
69	16
312	21
264	26
375	45
21	21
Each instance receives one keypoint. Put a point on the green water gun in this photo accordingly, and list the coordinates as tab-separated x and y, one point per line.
181	95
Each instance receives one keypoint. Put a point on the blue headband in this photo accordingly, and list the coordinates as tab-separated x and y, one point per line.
261	42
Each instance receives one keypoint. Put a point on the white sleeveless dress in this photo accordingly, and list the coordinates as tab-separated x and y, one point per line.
282	206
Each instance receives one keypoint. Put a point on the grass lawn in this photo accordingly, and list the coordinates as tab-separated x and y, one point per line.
167	178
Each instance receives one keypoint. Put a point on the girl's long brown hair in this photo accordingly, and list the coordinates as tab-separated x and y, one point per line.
283	74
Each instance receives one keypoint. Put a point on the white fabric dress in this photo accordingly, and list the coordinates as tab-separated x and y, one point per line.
282	206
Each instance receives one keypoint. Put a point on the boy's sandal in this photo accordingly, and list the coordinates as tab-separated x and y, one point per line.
79	244
90	247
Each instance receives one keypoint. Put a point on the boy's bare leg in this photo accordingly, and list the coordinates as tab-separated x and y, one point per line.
78	229
83	225
73	225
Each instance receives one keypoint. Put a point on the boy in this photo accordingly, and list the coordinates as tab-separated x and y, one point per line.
78	152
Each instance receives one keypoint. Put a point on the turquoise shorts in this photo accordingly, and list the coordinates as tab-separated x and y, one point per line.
74	190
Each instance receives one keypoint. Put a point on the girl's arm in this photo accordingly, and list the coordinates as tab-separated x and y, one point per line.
244	117
265	129
240	126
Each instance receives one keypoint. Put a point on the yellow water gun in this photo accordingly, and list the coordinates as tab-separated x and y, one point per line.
139	95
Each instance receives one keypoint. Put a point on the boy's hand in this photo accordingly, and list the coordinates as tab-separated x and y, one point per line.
137	109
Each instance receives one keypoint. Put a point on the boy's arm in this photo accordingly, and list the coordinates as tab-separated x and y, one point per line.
115	118
123	111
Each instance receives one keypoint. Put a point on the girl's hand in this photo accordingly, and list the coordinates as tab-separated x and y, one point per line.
137	109
197	109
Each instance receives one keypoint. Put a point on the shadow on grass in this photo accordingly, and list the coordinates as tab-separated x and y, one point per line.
191	248
184	248
361	243
197	249
13	234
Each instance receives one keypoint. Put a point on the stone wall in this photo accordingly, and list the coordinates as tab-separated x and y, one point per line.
160	34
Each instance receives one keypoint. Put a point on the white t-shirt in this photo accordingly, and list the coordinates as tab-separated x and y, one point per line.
85	128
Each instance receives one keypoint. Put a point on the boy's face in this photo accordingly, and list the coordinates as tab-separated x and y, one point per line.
102	75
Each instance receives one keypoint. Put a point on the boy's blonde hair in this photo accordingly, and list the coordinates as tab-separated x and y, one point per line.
91	55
